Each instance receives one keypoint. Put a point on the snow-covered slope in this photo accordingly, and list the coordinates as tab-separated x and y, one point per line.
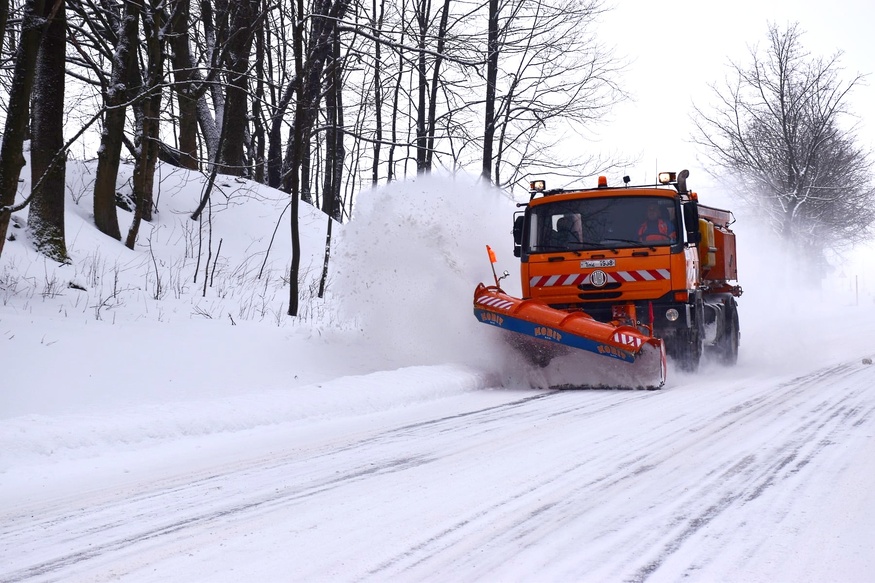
170	338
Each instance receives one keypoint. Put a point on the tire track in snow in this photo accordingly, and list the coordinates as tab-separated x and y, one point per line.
737	483
67	524
579	453
188	498
802	447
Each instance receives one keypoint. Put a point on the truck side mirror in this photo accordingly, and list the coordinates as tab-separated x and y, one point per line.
518	230
691	222
518	235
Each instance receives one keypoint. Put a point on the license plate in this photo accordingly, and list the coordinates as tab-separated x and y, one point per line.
597	263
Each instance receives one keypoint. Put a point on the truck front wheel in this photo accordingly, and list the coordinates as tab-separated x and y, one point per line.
689	343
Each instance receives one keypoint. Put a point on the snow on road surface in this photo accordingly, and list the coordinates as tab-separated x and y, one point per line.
754	479
187	440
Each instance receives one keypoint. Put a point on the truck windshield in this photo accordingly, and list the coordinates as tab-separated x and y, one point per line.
602	223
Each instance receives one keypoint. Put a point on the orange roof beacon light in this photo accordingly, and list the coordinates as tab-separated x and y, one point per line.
667	177
603	181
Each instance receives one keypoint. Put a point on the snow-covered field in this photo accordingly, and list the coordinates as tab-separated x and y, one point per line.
153	428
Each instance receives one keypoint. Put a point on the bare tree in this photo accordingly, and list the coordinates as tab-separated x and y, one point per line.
238	24
12	148
286	80
185	86
309	69
258	142
781	128
45	220
377	27
153	18
334	132
422	9
436	86
116	95
553	81
395	108
491	78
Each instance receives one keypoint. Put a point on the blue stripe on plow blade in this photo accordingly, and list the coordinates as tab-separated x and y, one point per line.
551	334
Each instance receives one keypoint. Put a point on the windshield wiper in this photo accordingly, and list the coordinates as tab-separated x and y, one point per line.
555	249
633	242
587	242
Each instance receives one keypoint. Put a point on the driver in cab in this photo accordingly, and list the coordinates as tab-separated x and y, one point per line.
654	228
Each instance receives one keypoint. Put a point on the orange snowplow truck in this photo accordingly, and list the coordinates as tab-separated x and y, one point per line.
634	264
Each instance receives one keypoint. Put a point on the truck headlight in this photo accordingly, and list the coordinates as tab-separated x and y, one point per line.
671	314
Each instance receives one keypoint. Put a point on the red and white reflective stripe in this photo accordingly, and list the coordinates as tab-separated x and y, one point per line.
628	339
493	302
643	274
615	277
551	280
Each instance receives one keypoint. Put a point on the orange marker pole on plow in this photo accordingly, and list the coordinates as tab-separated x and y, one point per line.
492	260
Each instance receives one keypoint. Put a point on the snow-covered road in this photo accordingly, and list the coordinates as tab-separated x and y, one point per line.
756	479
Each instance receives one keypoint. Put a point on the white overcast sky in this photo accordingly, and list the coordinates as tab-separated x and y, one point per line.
677	47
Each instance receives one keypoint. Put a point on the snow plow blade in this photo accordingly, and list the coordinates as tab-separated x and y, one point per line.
543	333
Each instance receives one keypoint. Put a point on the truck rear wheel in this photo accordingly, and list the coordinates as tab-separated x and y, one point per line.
727	344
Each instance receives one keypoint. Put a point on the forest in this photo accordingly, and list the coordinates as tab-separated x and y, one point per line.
318	99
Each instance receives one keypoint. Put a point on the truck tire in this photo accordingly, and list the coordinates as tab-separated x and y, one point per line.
727	344
691	341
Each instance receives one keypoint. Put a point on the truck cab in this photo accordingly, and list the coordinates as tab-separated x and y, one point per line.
633	251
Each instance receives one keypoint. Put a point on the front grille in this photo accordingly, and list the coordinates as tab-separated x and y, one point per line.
603	295
606	287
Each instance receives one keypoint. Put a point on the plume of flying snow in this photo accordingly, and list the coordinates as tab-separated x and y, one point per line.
406	265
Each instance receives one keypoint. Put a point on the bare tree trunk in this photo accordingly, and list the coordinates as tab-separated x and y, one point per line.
144	167
258	138
109	154
435	81
45	220
184	76
275	160
11	150
390	172
327	14
275	166
332	205
4	16
296	145
242	18
214	37
491	79
194	111
209	130
377	24
306	171
324	279
334	151
422	16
